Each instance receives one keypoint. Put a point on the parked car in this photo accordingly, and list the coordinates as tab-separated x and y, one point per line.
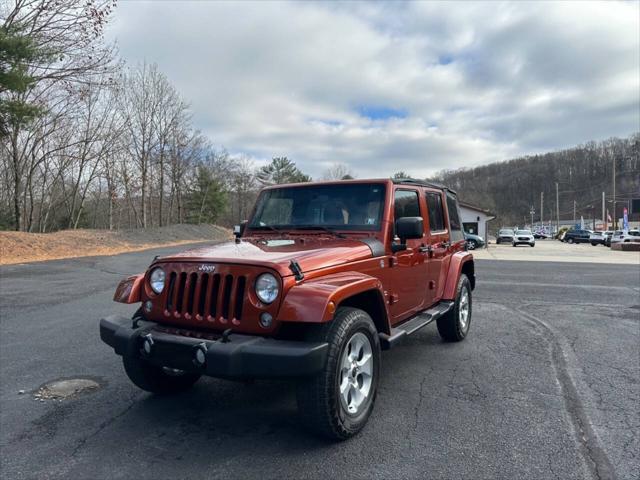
576	236
523	237
505	235
474	241
541	235
321	279
620	236
599	238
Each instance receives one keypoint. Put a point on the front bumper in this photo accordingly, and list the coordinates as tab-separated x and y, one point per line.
241	356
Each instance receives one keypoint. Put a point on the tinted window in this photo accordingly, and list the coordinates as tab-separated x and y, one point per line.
436	215
348	206
454	218
406	204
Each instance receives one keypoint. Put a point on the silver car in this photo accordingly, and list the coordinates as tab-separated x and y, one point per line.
523	237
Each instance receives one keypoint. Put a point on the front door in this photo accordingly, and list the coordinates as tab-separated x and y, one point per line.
409	268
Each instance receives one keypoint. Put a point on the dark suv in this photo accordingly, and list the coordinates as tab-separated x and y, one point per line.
577	236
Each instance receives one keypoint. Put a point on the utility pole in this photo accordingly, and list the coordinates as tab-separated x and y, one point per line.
532	211
574	212
541	207
615	217
605	225
557	209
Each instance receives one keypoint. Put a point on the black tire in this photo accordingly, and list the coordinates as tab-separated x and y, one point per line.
497	241
570	240
594	244
319	399
532	245
514	244
449	325
472	245
155	379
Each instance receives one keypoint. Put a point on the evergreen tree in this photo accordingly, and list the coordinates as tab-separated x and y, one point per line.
281	170
207	198
17	51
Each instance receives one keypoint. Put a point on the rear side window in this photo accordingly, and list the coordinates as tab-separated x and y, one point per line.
436	215
454	218
406	204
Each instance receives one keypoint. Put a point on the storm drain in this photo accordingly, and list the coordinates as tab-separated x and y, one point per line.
62	389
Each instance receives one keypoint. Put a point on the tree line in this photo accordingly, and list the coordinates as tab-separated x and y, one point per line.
513	188
87	142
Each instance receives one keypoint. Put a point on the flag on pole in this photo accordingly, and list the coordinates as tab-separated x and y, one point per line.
608	217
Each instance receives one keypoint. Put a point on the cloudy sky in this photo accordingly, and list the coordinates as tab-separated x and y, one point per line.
394	86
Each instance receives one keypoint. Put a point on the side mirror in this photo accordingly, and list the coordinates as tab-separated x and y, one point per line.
238	230
409	227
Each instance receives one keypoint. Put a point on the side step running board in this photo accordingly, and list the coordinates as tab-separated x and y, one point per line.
414	324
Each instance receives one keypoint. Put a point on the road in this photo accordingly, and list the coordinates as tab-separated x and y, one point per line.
546	385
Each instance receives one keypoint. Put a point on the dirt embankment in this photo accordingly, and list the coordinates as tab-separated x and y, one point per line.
19	247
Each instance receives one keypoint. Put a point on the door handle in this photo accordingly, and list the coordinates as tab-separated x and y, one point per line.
425	249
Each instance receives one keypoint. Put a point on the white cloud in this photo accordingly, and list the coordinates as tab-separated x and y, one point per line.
478	81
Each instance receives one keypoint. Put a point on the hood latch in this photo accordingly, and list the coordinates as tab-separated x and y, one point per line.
296	270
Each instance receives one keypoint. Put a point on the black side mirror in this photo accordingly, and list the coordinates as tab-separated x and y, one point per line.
238	230
409	227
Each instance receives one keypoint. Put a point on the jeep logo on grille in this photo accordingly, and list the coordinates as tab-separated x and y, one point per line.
206	268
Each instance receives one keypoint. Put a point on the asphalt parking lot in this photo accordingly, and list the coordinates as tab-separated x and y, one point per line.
545	386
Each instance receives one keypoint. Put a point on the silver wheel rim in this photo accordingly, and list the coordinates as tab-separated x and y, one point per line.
356	373
463	309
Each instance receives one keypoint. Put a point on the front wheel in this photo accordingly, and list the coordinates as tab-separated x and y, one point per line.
471	245
514	244
570	240
338	401
454	325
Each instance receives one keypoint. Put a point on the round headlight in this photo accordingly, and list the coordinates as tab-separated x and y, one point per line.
267	287
156	280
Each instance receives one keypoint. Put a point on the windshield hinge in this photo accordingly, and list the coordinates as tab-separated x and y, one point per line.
296	270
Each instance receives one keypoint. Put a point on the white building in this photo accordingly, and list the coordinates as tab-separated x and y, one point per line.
474	219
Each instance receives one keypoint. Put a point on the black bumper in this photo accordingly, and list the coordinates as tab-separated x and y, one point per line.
242	356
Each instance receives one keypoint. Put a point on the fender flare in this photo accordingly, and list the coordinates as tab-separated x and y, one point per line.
129	290
459	261
316	300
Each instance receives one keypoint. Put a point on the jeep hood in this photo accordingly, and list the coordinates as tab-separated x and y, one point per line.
277	253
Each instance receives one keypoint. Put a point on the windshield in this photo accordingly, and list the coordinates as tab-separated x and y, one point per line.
523	232
349	206
506	232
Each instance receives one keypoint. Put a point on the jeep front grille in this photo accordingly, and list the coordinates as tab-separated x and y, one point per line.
205	296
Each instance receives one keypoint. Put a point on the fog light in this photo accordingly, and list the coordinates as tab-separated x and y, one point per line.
147	345
200	356
265	319
148	305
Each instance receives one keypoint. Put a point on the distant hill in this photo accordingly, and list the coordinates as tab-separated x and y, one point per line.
511	188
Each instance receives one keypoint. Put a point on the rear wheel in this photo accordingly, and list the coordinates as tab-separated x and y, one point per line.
570	240
471	244
337	402
156	379
454	325
497	241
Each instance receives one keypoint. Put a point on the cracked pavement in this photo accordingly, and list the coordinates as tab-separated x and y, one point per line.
545	386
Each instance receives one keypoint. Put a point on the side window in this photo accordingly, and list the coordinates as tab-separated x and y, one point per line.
406	204
436	215
454	218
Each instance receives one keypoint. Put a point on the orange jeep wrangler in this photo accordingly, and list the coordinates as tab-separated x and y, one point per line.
321	279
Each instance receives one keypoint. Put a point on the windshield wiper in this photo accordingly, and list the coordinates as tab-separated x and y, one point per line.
267	227
318	227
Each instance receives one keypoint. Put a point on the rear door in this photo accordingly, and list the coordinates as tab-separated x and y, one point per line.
438	245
